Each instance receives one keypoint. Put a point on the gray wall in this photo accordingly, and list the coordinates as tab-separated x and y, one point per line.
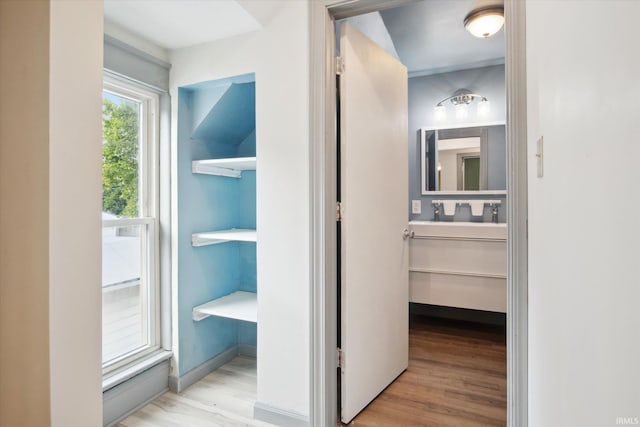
135	64
497	158
424	93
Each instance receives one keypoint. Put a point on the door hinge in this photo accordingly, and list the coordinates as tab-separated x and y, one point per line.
340	359
338	211
339	65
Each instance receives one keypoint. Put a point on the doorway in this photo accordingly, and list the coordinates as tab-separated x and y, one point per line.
323	382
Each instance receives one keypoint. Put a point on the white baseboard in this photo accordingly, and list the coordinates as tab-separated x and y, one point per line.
279	417
178	384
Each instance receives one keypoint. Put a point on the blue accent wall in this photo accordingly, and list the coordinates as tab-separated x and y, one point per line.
424	93
207	203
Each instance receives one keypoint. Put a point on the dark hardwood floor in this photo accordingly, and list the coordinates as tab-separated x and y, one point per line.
457	377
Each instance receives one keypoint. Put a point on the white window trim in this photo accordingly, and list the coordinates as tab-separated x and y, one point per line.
149	197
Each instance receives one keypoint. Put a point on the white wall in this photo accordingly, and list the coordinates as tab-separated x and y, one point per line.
448	160
583	64
75	201
278	54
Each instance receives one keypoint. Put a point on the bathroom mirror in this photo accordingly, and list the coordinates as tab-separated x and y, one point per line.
468	160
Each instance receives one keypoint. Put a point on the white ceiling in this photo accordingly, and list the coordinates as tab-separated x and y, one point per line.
173	24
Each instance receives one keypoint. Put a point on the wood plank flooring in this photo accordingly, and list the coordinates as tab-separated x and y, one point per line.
456	377
225	397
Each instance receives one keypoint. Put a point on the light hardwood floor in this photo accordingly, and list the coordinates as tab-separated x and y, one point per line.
225	397
457	376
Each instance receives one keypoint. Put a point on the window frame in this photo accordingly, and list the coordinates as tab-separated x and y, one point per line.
148	213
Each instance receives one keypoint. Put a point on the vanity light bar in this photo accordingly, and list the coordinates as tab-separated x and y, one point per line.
462	98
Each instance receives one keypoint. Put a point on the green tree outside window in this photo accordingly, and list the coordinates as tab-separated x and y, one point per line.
120	157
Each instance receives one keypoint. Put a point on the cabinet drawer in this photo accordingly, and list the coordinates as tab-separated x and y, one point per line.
482	256
454	290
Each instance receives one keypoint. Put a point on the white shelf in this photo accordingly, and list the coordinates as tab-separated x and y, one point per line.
231	168
222	236
237	305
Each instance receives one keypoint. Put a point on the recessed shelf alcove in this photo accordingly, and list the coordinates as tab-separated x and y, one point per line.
217	266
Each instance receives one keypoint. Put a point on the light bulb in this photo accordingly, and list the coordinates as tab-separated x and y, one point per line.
483	107
461	111
440	113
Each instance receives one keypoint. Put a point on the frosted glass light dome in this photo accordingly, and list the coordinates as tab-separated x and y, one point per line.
484	23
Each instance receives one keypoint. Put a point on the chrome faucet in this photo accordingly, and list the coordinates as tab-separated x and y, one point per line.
436	211
494	213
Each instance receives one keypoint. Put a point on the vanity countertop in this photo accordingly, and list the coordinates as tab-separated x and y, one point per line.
479	230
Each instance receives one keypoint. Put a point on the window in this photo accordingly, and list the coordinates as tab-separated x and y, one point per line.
130	290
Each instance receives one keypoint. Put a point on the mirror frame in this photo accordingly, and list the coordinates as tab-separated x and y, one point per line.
467	131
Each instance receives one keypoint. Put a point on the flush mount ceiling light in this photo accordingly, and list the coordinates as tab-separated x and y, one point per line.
485	22
461	100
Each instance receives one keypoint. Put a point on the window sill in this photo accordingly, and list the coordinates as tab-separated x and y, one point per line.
130	371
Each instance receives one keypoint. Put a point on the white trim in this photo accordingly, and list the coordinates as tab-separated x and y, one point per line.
461	239
149	289
322	152
148	193
517	215
126	222
179	384
164	220
447	126
480	131
457	273
323	363
279	417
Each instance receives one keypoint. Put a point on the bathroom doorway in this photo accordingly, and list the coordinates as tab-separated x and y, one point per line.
330	265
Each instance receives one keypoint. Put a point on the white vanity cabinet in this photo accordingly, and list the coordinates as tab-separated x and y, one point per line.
458	264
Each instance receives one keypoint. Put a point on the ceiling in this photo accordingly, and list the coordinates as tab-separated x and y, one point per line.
429	37
173	24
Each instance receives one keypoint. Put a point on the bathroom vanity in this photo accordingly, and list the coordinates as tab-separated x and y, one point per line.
458	264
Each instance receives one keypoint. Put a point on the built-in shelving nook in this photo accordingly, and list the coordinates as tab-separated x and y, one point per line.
216	191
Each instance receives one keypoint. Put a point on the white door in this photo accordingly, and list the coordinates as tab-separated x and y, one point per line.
374	196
